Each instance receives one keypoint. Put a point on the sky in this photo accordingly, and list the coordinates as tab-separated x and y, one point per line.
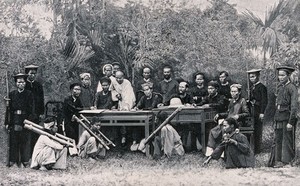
258	7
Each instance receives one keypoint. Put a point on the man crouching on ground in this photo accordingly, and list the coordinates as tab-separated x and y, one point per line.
88	146
49	154
238	153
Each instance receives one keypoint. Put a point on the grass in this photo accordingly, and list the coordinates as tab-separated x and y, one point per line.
136	169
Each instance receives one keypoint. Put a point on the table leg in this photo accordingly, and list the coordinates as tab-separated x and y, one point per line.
146	135
203	134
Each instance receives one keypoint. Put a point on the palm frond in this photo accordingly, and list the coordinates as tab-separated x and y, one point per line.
254	18
274	12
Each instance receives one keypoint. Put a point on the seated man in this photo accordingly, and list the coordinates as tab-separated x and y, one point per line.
238	153
148	101
103	99
237	109
88	146
49	154
168	142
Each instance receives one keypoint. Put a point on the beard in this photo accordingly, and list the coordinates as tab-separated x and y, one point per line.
167	77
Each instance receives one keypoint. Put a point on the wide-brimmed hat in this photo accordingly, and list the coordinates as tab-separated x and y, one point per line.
254	71
286	68
20	75
175	102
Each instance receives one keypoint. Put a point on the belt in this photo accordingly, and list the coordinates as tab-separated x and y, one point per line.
19	112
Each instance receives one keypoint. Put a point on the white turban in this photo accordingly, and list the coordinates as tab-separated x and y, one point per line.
84	75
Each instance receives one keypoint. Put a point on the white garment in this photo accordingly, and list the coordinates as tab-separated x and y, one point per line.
127	94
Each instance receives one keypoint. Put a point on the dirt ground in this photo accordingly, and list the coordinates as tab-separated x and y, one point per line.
136	169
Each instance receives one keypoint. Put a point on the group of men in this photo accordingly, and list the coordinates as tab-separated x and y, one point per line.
114	91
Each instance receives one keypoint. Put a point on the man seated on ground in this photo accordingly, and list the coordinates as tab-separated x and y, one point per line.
168	142
237	109
148	101
238	153
103	99
49	154
88	146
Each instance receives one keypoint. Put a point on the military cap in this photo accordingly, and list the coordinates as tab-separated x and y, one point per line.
254	71
30	67
116	63
20	75
286	68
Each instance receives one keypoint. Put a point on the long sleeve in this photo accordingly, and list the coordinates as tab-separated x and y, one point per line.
51	143
292	91
242	144
245	111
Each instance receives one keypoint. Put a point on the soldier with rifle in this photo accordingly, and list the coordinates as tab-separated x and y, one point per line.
21	107
38	96
258	100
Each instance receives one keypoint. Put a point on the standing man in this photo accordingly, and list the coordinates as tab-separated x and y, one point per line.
87	94
225	86
285	117
21	108
258	99
168	86
72	105
38	97
124	92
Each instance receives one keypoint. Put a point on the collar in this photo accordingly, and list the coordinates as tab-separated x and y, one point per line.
257	83
20	91
167	81
147	80
237	99
150	96
74	99
30	81
214	95
227	83
200	86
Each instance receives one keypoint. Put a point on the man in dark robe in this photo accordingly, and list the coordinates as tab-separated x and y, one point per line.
238	153
72	105
38	97
168	86
146	79
258	100
285	118
199	90
225	86
103	99
21	107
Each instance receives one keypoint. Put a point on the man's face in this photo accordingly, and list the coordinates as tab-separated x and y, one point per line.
86	81
253	78
20	83
199	80
182	88
105	86
108	71
211	90
76	91
282	76
223	78
226	127
116	68
147	91
119	77
167	73
31	75
146	73
234	92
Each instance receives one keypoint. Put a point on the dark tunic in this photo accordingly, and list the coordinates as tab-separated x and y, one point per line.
259	101
148	104
38	96
21	108
199	93
87	97
217	101
103	101
225	90
236	156
70	108
139	89
167	89
286	107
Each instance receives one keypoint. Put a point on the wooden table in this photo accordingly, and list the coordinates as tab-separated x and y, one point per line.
192	115
123	118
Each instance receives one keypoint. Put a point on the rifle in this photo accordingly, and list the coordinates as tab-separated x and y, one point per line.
143	142
7	119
